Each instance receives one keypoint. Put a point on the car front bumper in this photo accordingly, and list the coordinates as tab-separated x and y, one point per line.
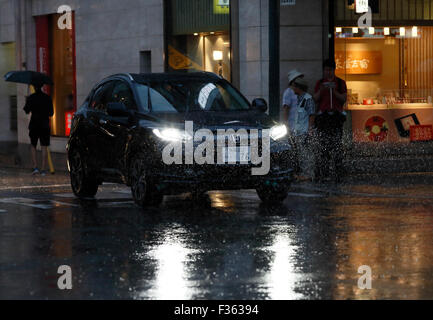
195	181
172	179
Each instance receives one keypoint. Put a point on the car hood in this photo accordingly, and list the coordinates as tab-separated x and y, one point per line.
233	119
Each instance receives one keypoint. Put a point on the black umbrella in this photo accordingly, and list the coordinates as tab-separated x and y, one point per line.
28	77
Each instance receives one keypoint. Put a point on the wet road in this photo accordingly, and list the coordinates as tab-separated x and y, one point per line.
232	247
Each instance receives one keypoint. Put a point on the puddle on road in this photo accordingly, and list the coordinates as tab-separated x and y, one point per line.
52	204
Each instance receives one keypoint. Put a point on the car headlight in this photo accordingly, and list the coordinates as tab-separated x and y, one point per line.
172	134
278	132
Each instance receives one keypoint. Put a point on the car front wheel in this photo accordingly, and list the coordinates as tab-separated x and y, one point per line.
83	182
269	194
143	191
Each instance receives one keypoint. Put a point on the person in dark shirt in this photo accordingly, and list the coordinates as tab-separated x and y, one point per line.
40	106
330	95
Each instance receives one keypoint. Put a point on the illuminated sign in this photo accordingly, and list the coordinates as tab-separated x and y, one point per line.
358	62
361	6
68	123
221	6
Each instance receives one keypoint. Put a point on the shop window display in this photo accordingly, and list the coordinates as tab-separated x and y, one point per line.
389	75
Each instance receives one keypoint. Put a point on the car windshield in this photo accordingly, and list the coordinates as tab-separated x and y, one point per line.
191	96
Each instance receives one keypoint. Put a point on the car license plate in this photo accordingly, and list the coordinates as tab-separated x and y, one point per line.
233	155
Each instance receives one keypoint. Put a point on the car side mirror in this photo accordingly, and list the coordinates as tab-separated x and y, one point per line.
260	104
117	109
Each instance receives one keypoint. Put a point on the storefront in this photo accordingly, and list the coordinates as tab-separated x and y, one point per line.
198	36
389	75
8	98
55	56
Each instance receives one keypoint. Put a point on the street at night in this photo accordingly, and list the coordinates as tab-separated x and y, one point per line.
229	247
216	158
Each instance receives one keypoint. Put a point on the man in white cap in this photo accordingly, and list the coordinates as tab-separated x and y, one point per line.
290	100
291	117
302	130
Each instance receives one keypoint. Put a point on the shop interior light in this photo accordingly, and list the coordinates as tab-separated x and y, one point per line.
355	30
371	30
217	55
415	32
212	32
196	34
386	31
338	29
402	31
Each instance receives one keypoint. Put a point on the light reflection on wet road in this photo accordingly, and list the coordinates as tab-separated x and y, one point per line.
232	247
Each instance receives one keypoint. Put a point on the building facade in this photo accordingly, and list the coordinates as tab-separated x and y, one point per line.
252	43
388	67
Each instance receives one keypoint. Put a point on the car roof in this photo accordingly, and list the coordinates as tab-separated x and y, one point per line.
145	77
157	77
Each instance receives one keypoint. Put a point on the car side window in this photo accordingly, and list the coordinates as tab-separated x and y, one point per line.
102	97
143	95
123	93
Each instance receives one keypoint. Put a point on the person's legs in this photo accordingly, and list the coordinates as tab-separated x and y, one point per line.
303	157
34	160
333	144
294	155
34	137
338	154
323	145
45	142
317	148
296	163
327	143
44	157
321	158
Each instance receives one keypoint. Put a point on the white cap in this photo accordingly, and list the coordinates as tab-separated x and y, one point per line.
294	74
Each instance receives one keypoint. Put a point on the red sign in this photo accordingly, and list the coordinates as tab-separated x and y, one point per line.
421	133
376	129
43	48
68	122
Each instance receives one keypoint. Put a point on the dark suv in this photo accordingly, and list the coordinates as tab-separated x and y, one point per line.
132	129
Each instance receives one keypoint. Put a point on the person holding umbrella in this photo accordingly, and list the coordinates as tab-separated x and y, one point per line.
40	106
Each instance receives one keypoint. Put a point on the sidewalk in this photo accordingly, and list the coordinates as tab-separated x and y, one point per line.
364	158
14	155
369	158
22	179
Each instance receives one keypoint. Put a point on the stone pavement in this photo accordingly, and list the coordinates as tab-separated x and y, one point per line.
14	155
365	158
